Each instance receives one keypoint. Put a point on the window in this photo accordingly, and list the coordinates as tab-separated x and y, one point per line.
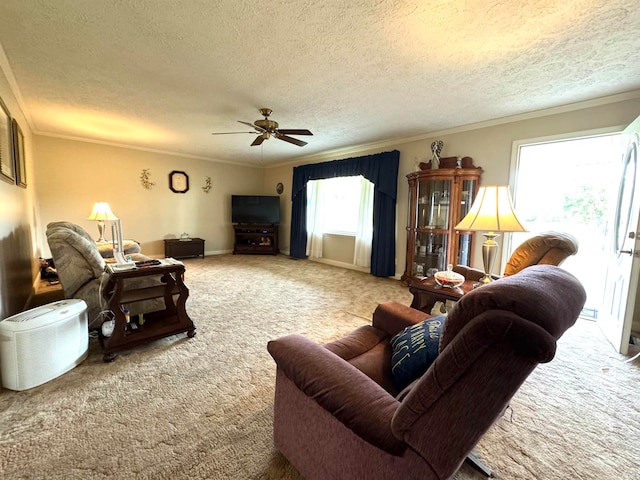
340	198
341	205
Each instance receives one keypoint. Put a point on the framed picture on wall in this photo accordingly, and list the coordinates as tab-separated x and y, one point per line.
179	181
7	164
18	155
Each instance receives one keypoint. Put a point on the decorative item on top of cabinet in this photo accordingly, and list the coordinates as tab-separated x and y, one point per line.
436	150
438	200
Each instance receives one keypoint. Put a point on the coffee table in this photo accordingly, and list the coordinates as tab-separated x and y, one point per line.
427	292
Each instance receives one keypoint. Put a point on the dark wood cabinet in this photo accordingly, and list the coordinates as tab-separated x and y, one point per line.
260	239
438	200
175	248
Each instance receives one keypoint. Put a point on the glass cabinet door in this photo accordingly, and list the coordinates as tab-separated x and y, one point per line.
464	249
469	190
430	253
433	204
468	193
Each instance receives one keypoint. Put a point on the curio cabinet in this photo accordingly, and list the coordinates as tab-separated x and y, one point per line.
438	200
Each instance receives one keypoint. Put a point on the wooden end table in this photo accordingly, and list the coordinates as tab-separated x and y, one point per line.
427	292
170	321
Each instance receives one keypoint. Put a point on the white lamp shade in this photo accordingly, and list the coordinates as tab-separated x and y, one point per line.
492	211
102	211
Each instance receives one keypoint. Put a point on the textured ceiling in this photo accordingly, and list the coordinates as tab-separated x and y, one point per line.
165	74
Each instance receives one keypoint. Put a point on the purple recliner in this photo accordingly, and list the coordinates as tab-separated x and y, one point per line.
337	414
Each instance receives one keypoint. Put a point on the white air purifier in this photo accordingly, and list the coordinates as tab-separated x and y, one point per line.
43	343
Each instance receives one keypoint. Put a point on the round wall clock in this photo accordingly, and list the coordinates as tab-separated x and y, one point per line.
279	188
178	181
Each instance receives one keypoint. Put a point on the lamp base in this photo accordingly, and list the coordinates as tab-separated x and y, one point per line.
483	281
489	250
101	239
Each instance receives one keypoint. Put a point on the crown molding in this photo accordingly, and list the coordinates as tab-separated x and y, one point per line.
394	142
143	149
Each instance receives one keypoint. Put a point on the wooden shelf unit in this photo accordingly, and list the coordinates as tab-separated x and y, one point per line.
256	239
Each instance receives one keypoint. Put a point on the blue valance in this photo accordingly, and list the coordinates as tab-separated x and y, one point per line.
380	169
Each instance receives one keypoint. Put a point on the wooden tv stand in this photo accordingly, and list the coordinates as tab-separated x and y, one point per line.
257	239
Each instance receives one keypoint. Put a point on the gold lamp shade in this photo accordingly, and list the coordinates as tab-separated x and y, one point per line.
101	212
492	211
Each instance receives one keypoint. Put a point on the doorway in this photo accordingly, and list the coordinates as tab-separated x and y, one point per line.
569	185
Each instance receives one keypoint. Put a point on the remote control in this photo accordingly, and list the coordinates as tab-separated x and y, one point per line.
147	263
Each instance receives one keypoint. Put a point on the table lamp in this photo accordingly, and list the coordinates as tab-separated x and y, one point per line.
101	212
492	211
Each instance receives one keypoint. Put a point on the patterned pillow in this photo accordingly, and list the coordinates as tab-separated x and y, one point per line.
414	349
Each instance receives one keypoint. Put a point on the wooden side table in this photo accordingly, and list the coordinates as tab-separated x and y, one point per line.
176	248
427	292
170	321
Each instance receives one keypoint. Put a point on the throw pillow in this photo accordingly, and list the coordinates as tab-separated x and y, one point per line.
414	349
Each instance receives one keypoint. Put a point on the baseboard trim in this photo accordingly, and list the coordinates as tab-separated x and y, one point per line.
335	263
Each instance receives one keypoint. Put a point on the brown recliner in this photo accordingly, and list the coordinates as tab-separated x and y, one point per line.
547	248
337	414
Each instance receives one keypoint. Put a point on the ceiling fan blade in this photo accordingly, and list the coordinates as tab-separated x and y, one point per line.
259	139
293	131
295	141
230	133
258	129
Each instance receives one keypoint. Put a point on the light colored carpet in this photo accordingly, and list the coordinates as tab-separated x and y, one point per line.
201	408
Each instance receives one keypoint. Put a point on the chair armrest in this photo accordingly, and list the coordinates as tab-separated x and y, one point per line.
341	389
393	317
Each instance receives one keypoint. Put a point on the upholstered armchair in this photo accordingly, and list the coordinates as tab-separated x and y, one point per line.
339	415
547	248
81	270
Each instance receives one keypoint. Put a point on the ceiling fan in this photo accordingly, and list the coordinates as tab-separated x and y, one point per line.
265	128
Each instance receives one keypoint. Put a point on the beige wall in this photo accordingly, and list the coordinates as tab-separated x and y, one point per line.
490	147
339	248
72	175
18	222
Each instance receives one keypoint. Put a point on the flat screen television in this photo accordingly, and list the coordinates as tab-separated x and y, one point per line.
255	209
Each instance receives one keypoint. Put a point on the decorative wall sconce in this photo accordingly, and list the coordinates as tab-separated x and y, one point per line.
145	179
207	184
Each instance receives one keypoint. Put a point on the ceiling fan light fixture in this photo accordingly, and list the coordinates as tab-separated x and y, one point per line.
268	125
